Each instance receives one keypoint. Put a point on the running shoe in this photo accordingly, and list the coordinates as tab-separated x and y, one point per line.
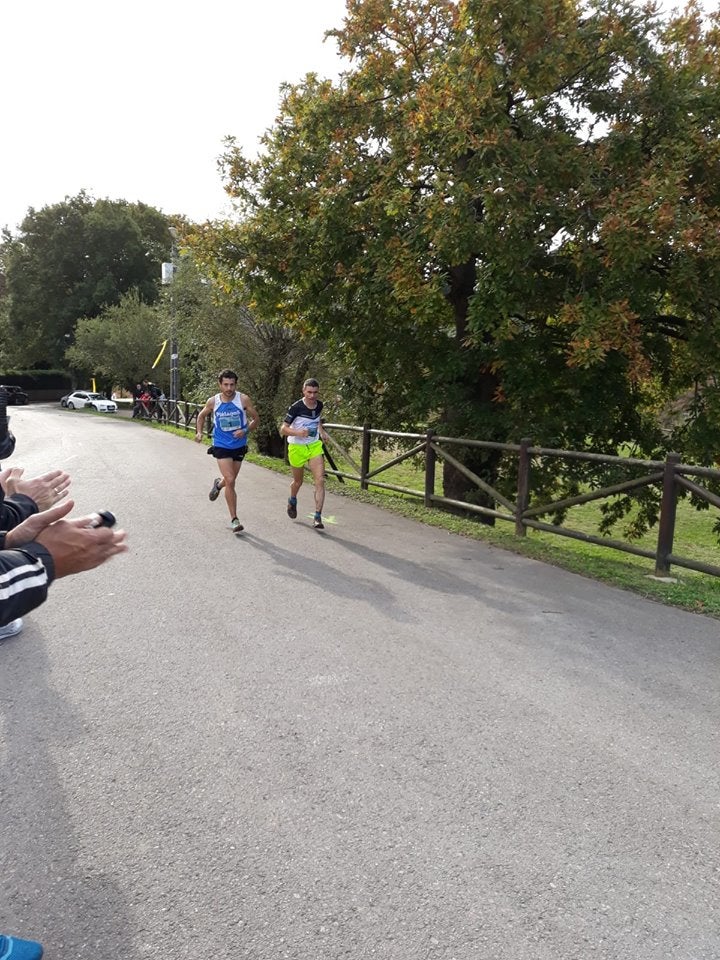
317	522
13	949
292	509
236	528
213	495
10	630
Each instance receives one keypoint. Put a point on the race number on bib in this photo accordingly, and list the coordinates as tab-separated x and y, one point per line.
230	421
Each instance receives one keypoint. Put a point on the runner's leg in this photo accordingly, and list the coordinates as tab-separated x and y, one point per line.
298	474
317	468
229	470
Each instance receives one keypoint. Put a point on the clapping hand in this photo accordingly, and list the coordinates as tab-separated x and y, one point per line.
46	491
73	544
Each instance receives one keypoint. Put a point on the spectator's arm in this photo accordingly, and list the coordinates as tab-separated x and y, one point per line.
13	510
25	575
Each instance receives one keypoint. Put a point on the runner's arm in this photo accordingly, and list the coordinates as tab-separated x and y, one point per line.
287	431
252	423
286	427
206	411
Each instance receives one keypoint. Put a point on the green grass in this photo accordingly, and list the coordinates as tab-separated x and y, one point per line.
694	538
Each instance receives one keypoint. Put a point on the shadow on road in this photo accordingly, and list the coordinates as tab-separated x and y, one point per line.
310	570
47	872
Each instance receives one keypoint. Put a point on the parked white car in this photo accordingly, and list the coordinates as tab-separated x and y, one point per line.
82	398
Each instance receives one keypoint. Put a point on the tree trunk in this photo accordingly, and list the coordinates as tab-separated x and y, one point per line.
269	441
267	436
476	389
456	485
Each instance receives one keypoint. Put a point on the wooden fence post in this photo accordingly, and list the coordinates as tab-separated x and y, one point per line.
668	509
430	461
365	456
523	491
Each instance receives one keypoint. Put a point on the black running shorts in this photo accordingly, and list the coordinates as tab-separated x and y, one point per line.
238	454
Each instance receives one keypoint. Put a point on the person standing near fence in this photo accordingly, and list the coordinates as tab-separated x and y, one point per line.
231	427
304	431
137	402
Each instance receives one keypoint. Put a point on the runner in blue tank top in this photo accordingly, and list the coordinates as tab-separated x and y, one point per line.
231	428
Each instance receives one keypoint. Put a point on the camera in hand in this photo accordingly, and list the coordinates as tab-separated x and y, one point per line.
103	518
7	440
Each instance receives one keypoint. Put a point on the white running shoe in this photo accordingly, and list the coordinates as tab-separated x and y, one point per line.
11	629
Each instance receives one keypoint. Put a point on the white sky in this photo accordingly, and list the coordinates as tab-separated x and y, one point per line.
132	100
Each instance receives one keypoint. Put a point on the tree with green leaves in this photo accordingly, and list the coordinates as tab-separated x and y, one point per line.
504	217
74	259
119	345
218	327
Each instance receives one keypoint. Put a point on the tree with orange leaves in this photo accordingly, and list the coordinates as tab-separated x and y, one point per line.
504	217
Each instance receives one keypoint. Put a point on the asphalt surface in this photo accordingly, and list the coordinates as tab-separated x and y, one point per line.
383	741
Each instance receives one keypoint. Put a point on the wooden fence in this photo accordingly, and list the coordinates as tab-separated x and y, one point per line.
670	475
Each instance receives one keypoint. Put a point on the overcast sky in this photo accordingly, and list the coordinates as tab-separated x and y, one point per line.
132	100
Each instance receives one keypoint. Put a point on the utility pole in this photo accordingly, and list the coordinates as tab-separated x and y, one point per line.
168	277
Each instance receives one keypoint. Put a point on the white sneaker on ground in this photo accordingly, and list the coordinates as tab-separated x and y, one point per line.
11	629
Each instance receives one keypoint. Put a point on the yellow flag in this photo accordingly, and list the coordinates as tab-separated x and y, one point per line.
94	388
159	356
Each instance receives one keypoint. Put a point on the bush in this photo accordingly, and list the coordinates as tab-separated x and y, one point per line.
39	384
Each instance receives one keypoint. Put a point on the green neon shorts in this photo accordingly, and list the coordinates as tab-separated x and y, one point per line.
300	453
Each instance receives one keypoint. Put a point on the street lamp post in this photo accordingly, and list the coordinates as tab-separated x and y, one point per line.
168	277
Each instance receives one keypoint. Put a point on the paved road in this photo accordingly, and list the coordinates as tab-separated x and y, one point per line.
383	742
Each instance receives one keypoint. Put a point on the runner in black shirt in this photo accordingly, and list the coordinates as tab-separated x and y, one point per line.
303	428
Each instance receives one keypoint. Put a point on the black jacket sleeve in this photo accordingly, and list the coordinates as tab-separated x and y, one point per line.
25	575
15	509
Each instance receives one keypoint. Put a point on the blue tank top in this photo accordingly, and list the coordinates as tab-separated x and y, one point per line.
228	417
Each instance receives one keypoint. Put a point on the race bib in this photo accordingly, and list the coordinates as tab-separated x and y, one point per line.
229	421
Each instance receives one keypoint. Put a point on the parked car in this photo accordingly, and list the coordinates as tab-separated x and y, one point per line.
64	400
83	398
14	394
